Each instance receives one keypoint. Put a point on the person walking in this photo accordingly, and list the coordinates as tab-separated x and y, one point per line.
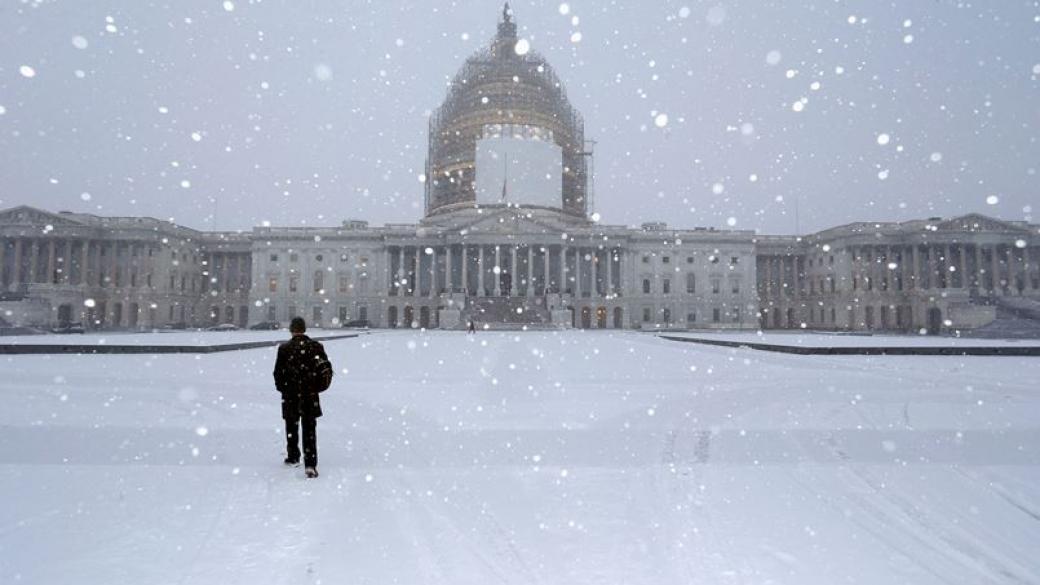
472	327
301	371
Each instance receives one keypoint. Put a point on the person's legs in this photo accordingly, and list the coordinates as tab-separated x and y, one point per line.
310	441
292	440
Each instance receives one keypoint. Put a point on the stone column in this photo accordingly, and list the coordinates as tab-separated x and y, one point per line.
66	266
514	282
228	285
480	271
113	267
767	276
449	277
545	273
796	278
947	263
977	273
34	260
1011	268
465	269
417	288
3	257
530	271
51	252
498	265
562	283
16	272
433	272
577	272
963	265
401	274
995	264
99	275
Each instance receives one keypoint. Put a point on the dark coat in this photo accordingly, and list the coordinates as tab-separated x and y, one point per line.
290	373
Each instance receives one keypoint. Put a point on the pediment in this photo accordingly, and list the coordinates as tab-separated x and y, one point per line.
976	222
24	215
511	221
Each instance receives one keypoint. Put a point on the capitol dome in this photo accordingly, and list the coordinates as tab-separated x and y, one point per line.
506	94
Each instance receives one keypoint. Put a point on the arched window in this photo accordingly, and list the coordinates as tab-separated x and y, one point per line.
319	280
691	283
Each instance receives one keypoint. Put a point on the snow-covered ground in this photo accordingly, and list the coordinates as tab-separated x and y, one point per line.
573	457
162	338
816	339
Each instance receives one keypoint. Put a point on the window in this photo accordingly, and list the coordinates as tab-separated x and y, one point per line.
173	281
666	315
646	259
736	314
733	260
362	313
319	281
714	259
270	312
294	257
691	283
148	280
666	286
272	284
689	259
646	286
716	315
319	258
316	316
274	257
716	285
364	261
666	260
292	312
735	287
691	318
342	257
343	315
344	283
646	314
293	283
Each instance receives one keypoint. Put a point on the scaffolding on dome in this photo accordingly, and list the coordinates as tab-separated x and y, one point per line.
500	86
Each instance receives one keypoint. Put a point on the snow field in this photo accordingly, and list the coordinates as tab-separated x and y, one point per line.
573	457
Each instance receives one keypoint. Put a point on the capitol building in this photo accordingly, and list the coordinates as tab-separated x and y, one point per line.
507	242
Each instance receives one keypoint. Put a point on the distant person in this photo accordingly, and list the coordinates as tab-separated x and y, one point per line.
301	372
472	327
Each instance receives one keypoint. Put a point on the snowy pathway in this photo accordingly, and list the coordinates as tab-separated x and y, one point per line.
571	457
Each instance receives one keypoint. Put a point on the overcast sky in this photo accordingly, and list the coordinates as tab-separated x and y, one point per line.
311	112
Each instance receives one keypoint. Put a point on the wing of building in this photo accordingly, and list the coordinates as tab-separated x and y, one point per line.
507	242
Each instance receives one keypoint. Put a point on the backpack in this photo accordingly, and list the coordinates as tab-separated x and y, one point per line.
321	374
